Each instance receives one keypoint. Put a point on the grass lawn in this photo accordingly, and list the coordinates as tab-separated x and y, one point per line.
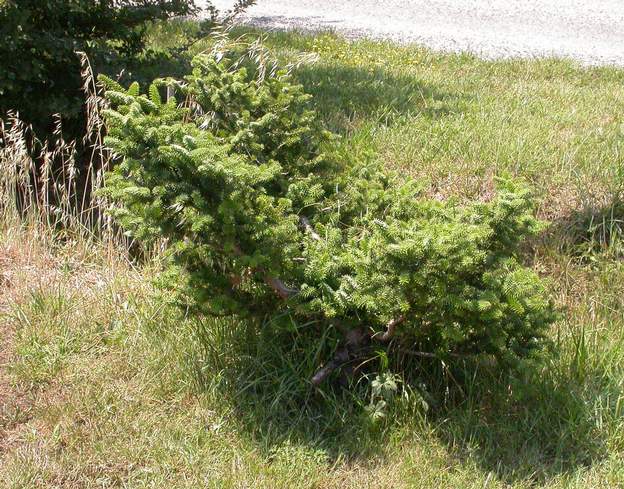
104	385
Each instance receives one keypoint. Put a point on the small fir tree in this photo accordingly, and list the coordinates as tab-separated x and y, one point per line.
261	221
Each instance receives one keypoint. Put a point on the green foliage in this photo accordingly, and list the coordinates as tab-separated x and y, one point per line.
39	69
383	390
262	222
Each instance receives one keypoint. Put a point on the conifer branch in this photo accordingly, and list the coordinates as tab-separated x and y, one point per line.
275	283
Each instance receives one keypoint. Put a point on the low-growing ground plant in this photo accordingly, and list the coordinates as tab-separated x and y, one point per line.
263	220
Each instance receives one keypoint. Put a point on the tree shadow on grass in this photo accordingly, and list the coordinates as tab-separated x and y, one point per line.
532	424
348	85
343	94
584	233
524	426
263	376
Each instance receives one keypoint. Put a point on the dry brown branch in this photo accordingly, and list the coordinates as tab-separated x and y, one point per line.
390	330
355	341
309	229
279	287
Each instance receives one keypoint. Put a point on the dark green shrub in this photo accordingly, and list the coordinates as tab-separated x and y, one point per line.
39	69
260	222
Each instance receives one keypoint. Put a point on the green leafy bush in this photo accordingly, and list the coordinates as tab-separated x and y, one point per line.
262	222
39	69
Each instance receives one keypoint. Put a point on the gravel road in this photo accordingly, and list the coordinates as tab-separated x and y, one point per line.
590	31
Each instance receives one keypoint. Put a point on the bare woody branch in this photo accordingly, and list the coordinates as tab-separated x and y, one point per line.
305	222
353	346
340	358
390	330
279	287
